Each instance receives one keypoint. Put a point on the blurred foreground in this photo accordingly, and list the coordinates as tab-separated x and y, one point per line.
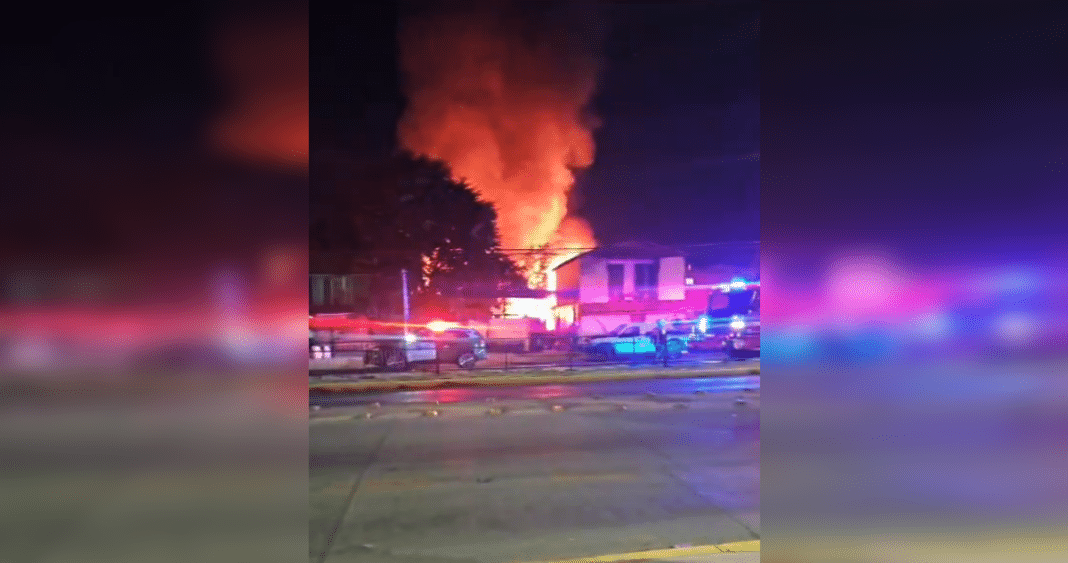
918	414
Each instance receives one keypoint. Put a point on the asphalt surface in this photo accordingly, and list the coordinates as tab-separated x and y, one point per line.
534	474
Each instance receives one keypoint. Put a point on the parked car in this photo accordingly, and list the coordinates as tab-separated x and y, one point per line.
461	346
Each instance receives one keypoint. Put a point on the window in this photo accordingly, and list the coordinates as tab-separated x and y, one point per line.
645	281
341	291
318	290
615	282
629	332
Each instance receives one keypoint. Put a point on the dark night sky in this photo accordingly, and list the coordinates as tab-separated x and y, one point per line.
678	152
937	127
105	116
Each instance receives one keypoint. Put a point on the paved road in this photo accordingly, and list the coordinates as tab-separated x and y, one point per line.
585	470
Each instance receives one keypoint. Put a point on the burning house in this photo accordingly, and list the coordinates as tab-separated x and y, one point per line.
637	282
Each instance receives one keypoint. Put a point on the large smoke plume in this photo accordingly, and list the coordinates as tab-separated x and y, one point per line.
500	93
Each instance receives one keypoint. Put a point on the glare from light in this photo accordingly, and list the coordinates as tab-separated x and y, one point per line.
409	337
933	325
440	326
1016	328
737	325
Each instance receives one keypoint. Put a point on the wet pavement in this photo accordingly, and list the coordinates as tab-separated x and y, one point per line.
672	386
535	474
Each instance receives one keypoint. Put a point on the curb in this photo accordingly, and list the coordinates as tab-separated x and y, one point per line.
667	554
519	380
457	411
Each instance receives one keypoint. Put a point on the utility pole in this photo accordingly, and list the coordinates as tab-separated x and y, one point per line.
407	306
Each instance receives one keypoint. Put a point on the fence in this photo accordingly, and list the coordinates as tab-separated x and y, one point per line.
338	352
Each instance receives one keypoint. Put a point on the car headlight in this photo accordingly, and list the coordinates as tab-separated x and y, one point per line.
737	325
409	338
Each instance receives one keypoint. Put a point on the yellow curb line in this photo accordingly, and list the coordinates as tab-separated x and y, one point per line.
521	380
734	547
330	418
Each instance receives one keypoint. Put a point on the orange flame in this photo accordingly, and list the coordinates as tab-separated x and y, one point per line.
505	107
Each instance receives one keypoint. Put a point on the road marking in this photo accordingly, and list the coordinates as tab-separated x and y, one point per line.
734	547
414	483
319	419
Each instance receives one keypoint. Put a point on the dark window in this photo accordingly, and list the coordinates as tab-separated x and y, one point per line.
615	281
317	290
632	331
342	291
645	278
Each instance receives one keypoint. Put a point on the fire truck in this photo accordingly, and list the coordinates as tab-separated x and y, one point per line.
731	323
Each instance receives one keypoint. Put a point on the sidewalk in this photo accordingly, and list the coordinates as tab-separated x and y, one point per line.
748	551
749	557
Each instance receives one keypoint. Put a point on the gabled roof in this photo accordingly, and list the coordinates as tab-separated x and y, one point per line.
633	250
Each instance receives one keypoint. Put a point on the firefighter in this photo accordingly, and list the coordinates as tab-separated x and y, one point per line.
661	338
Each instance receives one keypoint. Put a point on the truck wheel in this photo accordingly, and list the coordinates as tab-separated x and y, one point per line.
466	361
394	360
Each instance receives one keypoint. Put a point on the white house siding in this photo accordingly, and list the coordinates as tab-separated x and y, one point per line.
671	285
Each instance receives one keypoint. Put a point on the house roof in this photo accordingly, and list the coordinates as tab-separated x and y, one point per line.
628	251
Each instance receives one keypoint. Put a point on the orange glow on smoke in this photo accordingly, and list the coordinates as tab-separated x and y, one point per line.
506	108
265	65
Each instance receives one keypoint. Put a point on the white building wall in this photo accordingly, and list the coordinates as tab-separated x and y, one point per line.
671	285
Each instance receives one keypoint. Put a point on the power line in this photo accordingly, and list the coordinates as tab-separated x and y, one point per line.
736	243
559	250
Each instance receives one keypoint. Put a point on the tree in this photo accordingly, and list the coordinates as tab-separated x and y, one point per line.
406	211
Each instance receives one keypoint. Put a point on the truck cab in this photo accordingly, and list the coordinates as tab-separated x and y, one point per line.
731	323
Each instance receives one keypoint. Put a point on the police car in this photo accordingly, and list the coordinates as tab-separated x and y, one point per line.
638	339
